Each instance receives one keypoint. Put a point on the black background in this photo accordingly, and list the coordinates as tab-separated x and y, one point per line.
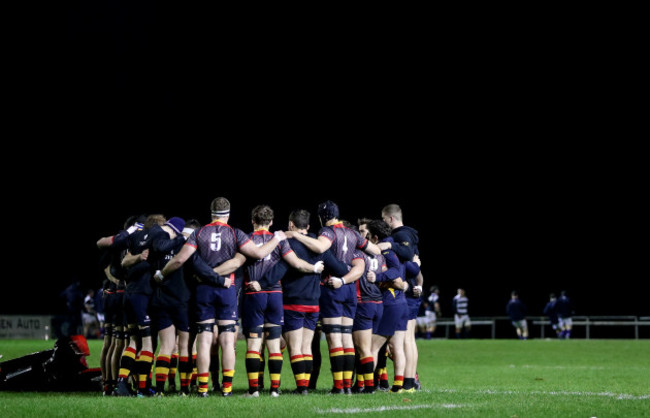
487	146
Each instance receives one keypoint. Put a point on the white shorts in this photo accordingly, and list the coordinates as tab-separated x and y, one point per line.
88	319
565	322
462	320
523	324
428	320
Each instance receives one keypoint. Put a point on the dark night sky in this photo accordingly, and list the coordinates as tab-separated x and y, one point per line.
488	229
147	112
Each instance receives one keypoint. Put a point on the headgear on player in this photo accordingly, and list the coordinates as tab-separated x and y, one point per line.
327	210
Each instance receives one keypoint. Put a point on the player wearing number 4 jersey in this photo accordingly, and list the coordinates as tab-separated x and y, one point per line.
219	245
338	297
262	310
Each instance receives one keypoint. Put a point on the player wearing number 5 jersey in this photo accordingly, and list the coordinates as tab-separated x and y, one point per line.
219	245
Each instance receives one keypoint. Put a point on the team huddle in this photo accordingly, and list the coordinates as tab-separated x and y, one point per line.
179	289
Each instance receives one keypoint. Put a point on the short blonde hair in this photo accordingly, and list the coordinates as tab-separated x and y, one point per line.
392	210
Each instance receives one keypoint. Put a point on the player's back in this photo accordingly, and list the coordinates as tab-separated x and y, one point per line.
217	242
257	268
345	242
366	290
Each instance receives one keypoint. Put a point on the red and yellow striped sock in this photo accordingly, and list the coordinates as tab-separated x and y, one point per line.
195	371
203	380
127	362
275	369
298	369
162	372
348	367
308	359
398	382
226	386
173	369
143	364
366	372
253	370
336	362
185	372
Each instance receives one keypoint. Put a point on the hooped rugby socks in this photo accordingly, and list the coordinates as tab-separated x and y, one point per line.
275	369
253	369
348	367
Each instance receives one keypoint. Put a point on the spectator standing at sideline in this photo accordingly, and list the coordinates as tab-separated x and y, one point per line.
551	312
460	305
517	312
564	310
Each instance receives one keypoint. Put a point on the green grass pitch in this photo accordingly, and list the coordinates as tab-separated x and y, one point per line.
466	378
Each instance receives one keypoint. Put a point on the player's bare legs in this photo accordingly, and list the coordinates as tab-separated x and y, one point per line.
167	338
227	338
273	340
348	352
410	351
332	329
396	345
363	346
206	334
253	359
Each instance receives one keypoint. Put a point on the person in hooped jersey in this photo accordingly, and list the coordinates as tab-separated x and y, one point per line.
460	307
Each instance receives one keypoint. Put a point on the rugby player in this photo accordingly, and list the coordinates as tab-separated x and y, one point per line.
262	311
217	244
338	296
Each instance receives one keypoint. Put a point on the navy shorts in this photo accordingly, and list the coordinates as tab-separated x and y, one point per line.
338	302
262	308
394	318
137	306
215	303
165	317
294	320
368	316
414	307
111	306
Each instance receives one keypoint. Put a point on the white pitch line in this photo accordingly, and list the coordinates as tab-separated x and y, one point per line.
381	409
620	396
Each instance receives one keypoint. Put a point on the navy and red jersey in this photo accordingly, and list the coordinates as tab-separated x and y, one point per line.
366	291
301	291
217	242
256	269
344	241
